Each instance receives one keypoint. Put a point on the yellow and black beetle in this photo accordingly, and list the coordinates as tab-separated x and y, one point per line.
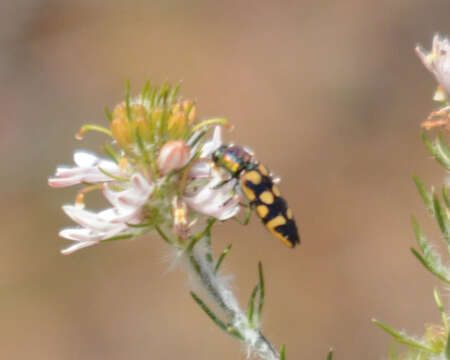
258	186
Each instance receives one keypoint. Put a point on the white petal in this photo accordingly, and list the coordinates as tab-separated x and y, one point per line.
75	247
83	234
109	166
79	234
63	182
84	158
201	170
88	219
114	215
134	197
215	202
87	170
212	145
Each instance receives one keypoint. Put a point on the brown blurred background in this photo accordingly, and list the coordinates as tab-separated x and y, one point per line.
328	94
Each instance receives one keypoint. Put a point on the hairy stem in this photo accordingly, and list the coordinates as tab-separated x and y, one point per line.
204	271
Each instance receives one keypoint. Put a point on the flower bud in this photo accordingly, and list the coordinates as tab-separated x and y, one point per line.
120	111
173	156
435	336
145	131
192	108
121	131
177	125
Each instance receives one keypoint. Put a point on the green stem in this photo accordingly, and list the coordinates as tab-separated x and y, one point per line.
204	270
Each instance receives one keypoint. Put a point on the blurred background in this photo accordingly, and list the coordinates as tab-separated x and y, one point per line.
328	94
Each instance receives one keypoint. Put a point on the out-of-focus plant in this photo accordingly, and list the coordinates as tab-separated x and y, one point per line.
434	343
158	178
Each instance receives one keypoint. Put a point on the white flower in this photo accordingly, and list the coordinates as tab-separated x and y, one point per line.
438	61
213	198
87	169
95	227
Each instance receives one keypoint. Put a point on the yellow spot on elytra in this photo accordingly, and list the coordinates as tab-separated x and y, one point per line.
263	170
248	192
266	197
254	177
262	211
276	221
275	190
289	213
272	224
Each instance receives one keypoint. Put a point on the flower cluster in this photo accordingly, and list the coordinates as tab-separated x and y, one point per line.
437	61
158	175
434	343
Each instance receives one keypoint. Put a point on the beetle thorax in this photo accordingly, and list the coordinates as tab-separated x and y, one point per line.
233	159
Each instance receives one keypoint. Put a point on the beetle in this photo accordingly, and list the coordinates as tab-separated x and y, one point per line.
260	189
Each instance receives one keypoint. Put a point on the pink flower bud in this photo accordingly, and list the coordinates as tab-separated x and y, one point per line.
173	156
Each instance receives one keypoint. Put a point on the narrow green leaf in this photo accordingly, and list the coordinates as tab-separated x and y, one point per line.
152	98
142	225
209	312
112	154
145	90
436	270
438	300
107	173
330	354
424	262
163	125
437	151
141	147
283	352
174	92
442	219
261	289
428	253
205	232
127	100
163	94
251	304
447	348
163	235
443	145
234	332
445	196
108	114
118	237
222	257
194	141
392	352
247	216
424	194
403	338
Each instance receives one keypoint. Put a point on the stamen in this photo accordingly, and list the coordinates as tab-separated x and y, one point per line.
79	200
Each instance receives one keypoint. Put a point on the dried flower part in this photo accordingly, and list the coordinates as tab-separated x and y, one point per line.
173	156
439	118
181	225
437	61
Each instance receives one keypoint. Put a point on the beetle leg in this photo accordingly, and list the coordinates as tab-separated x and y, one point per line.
222	183
248	215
